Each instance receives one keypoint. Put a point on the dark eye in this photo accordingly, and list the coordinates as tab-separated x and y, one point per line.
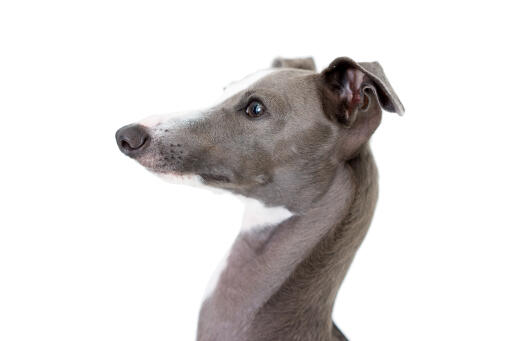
255	109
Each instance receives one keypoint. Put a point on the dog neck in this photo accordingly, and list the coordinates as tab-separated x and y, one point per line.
280	282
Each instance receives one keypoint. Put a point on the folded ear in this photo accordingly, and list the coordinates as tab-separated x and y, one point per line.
295	63
346	82
354	94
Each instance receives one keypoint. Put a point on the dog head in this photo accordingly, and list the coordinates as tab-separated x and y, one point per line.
277	136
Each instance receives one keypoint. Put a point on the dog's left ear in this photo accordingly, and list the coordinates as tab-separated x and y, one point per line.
295	63
353	95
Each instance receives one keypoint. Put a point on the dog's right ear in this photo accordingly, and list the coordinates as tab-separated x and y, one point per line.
345	82
295	63
353	94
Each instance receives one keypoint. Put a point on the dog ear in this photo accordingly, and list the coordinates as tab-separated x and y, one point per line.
295	63
354	94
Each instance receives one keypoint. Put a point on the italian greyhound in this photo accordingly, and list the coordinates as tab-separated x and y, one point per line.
293	143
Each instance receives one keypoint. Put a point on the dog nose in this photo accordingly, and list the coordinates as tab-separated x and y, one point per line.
132	139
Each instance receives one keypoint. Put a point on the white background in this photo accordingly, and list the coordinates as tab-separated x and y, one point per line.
93	247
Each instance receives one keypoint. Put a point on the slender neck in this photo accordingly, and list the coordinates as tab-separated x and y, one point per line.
282	280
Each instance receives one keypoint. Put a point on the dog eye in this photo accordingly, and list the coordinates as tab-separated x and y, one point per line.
255	109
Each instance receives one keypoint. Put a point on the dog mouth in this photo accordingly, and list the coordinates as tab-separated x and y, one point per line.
217	178
176	163
162	167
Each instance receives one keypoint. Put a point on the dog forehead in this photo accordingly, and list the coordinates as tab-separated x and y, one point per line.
246	82
267	78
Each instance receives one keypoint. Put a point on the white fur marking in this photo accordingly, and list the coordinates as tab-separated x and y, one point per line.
258	215
172	120
154	120
244	83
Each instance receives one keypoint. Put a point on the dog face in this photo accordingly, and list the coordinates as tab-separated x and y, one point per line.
278	136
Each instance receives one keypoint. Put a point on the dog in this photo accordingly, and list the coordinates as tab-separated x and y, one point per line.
294	144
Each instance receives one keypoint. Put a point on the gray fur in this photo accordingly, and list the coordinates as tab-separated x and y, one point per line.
281	281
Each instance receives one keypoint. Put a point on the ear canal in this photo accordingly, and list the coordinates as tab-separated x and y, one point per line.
351	95
295	63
